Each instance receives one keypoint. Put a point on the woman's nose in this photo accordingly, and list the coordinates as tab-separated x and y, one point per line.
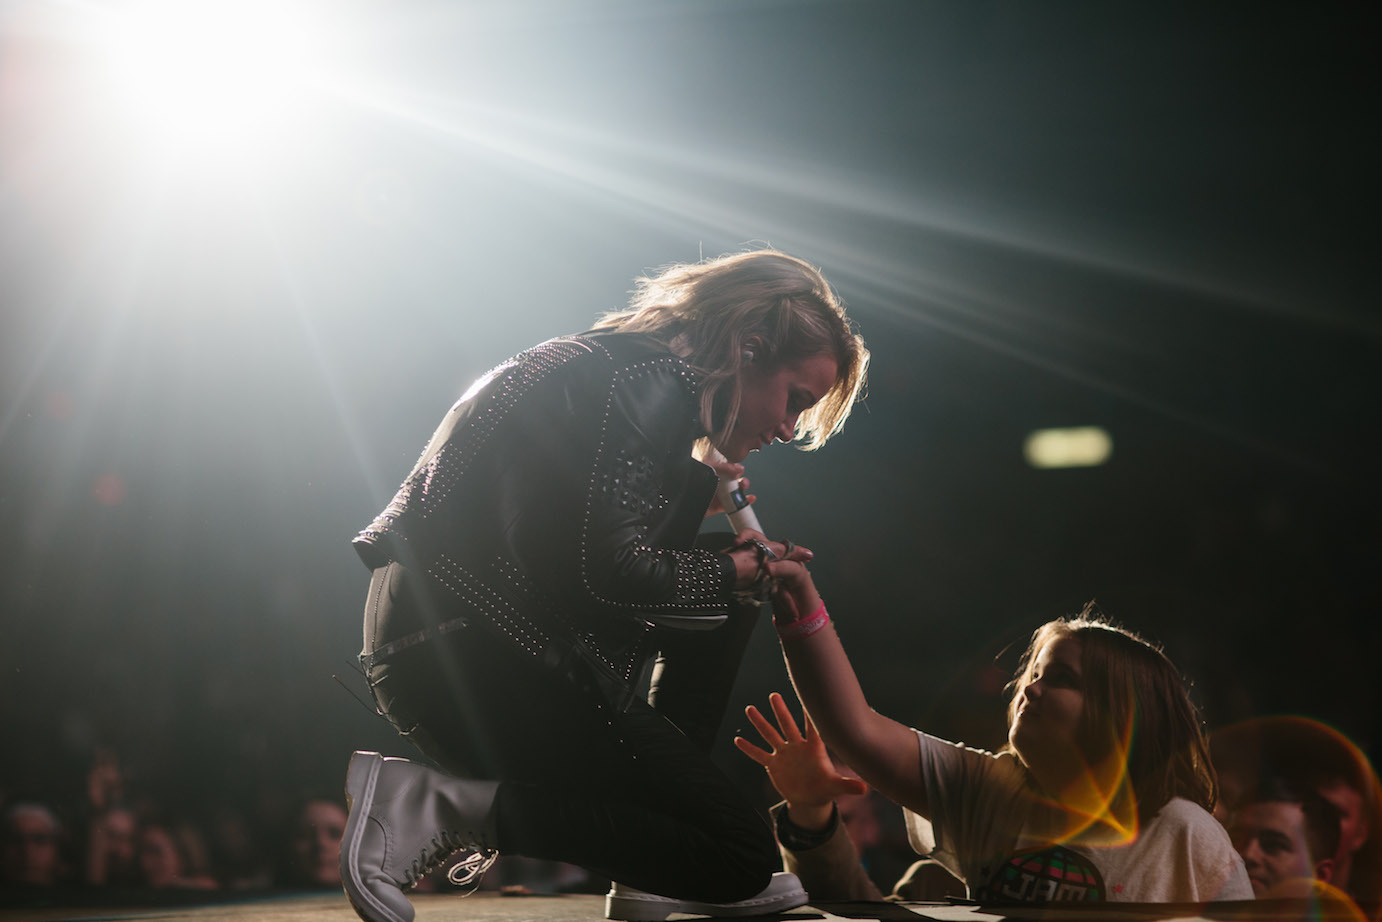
787	429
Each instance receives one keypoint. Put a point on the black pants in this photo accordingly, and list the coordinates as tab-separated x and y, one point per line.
621	792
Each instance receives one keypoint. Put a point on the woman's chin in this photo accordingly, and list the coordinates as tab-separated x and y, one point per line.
735	454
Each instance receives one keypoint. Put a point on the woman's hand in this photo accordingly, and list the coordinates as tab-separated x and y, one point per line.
798	765
724	469
747	555
717	507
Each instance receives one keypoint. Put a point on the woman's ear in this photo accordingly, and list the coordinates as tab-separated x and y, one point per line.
753	349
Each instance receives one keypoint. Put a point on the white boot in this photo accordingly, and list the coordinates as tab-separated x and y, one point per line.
629	905
406	820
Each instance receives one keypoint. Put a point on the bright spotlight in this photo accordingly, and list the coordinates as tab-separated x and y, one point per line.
215	77
1081	446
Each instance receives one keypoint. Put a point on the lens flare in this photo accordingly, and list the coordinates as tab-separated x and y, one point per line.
1307	752
1314	901
210	83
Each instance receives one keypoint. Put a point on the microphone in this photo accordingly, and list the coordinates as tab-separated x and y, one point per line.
733	500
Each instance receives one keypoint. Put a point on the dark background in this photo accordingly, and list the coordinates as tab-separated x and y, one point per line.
1159	219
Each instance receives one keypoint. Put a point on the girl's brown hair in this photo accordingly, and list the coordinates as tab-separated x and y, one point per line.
1136	699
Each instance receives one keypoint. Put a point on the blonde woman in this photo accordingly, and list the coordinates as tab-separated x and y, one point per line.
542	553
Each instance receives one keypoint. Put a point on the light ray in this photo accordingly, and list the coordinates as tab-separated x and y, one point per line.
924	298
210	80
800	183
663	184
378	486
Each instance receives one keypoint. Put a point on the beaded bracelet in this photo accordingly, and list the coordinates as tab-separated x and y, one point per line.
804	627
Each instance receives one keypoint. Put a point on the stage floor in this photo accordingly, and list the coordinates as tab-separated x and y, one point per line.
431	907
493	907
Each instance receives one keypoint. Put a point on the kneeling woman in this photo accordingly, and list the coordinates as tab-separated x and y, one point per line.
543	552
1102	792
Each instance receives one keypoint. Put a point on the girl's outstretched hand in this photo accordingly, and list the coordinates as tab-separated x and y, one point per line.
798	765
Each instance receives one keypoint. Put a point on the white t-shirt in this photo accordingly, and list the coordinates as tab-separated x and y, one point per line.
983	814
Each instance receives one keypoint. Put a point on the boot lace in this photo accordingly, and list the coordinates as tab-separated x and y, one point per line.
467	872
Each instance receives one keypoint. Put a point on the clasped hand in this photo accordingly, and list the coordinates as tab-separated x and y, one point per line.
754	552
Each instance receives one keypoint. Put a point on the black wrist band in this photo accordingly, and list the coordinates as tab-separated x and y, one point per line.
796	839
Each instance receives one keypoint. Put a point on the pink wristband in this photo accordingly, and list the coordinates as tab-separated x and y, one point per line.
804	627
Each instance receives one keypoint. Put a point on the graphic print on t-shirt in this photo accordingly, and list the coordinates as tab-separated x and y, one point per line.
1055	873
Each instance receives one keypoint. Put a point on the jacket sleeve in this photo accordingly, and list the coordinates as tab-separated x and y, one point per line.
828	865
645	498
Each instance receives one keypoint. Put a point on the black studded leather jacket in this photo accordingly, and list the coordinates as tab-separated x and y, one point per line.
558	504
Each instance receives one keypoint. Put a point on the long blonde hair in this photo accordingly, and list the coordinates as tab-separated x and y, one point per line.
709	312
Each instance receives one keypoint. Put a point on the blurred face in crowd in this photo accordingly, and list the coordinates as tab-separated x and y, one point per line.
1270	835
317	843
160	863
1353	824
1354	828
29	854
860	819
121	834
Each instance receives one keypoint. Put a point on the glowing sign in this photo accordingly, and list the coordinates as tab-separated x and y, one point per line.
1082	446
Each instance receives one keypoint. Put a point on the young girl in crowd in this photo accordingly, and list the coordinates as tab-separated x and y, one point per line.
1102	792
